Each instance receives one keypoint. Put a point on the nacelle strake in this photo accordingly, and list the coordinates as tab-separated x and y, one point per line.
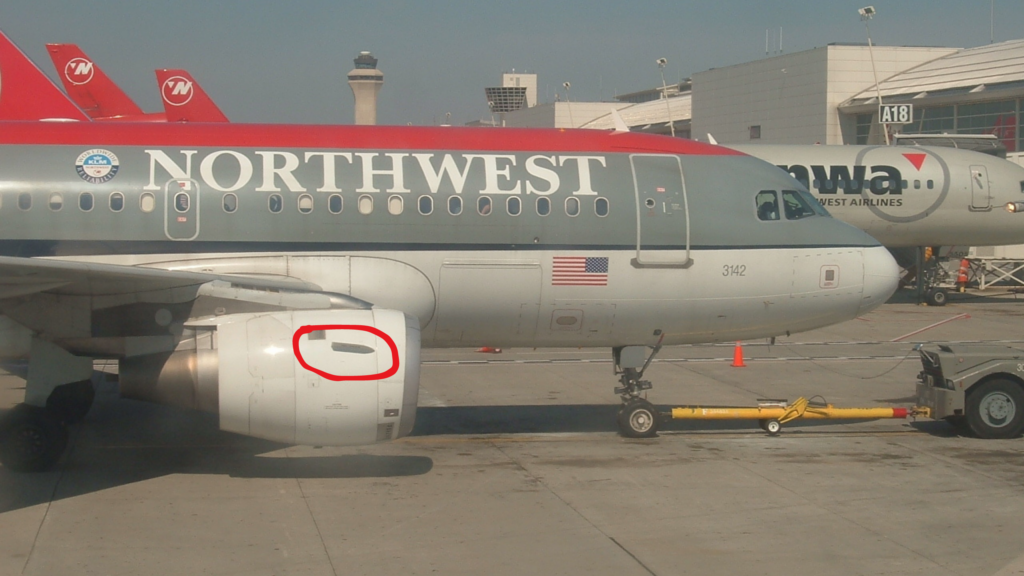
333	378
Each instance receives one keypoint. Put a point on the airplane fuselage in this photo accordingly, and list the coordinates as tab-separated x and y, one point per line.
557	238
909	196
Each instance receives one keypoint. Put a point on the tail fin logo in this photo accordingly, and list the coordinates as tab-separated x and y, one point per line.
176	91
78	71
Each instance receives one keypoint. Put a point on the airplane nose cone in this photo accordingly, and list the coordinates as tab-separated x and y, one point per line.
881	278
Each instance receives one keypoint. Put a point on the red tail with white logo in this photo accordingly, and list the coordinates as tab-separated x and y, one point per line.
26	93
184	100
88	86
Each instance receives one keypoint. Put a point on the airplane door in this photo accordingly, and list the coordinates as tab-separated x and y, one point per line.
662	213
980	198
181	209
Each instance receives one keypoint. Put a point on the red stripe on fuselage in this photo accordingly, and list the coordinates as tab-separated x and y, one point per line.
349	137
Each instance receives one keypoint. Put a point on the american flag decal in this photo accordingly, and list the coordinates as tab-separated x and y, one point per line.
579	271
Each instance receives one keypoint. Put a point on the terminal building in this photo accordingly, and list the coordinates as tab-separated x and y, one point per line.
824	95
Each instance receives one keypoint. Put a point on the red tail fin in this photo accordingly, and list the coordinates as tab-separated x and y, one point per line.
26	93
184	100
88	86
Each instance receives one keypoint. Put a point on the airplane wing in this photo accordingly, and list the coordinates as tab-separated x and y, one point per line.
73	303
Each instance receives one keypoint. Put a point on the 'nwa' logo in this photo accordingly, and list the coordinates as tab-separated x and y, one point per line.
883	179
78	71
176	91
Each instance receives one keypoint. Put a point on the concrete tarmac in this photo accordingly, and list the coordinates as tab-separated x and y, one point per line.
515	467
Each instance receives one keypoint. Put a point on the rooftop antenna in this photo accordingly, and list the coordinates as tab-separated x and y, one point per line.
664	94
866	14
568	104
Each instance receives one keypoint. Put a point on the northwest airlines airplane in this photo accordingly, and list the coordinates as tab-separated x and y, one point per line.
286	277
95	93
910	197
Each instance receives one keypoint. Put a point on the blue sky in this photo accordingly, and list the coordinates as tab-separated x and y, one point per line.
274	61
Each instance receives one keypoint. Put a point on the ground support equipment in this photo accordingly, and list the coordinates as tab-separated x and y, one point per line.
772	414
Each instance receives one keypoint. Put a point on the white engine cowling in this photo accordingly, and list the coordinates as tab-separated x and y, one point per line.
325	377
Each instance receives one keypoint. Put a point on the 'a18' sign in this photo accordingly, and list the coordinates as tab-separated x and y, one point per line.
896	113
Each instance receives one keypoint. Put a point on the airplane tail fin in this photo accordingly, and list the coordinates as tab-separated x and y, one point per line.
28	94
88	86
184	100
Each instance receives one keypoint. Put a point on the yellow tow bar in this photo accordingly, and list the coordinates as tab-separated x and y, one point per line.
772	414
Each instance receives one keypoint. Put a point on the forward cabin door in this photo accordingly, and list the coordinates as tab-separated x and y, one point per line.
662	212
181	209
980	198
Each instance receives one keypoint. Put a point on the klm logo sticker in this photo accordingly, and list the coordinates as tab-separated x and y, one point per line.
97	166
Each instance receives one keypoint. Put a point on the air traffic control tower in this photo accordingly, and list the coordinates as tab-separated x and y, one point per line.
365	81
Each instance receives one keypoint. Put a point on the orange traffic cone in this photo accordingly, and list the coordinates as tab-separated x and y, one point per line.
961	279
737	356
489	350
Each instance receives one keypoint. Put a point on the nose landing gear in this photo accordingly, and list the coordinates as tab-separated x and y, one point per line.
637	418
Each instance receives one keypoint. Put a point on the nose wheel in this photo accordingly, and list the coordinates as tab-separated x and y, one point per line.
637	418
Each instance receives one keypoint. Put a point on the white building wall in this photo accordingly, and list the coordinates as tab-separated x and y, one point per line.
792	97
561	114
529	81
849	74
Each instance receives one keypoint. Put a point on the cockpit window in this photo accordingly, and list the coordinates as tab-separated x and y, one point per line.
797	205
767	202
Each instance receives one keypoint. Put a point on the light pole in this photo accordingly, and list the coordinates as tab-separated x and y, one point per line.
866	14
568	104
664	94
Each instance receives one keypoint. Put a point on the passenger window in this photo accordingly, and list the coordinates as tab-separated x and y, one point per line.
796	205
396	205
230	203
904	185
917	184
182	201
767	203
365	204
275	203
335	203
455	205
116	201
25	201
85	201
305	203
601	207
931	184
514	205
572	206
147	202
56	201
483	205
426	205
543	206
817	184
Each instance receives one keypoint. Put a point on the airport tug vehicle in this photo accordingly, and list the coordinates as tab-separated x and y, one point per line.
978	388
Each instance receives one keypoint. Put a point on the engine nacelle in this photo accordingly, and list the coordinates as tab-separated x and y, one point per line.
324	377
